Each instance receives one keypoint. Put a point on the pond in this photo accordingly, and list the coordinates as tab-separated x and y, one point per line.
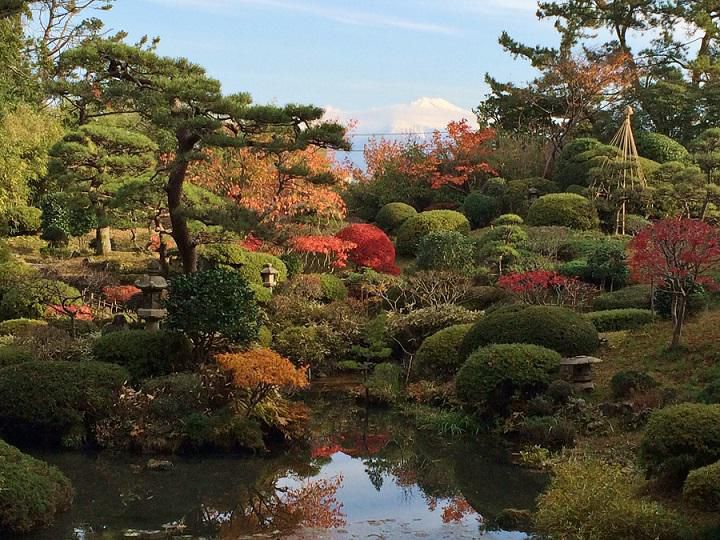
365	474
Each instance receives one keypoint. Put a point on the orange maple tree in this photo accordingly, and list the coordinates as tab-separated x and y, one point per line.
278	187
458	157
260	372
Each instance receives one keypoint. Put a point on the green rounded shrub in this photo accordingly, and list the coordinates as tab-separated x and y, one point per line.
439	355
392	215
573	164
660	148
615	320
481	209
679	439
57	402
15	327
625	383
710	394
410	232
447	251
556	328
564	210
633	297
32	491
508	219
493	375
12	354
248	263
333	288
577	190
702	488
145	354
560	391
265	337
635	224
317	345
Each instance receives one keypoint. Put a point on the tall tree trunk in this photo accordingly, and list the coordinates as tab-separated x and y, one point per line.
103	246
180	230
679	304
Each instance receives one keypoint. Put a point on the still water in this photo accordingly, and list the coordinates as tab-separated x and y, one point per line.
365	474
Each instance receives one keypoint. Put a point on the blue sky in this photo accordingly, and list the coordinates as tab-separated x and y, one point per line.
352	56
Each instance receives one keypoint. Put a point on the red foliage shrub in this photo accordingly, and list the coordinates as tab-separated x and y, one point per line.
331	250
374	249
81	313
122	294
543	287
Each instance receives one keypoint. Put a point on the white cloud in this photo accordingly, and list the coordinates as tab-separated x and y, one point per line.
344	16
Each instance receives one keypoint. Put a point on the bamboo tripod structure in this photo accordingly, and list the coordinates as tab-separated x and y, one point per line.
632	171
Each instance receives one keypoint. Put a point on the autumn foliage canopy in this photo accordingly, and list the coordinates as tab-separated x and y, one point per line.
373	248
323	250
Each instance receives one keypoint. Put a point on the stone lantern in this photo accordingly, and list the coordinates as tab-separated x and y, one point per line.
269	276
533	195
153	291
578	371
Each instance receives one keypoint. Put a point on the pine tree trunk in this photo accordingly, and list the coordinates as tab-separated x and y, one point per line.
103	246
180	230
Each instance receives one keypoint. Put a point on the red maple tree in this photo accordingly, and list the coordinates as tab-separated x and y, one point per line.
676	255
322	252
373	248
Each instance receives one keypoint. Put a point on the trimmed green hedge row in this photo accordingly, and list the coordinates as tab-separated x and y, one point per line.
614	320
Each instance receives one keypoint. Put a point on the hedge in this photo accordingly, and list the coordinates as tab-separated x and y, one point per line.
447	251
15	327
145	354
635	296
32	491
439	355
248	263
392	215
416	227
702	488
12	354
614	320
556	328
564	210
661	148
57	402
481	209
679	439
493	375
572	166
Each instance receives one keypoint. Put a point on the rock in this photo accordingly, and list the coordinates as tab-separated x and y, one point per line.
159	465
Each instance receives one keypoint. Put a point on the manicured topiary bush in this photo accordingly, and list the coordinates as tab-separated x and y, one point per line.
711	393
625	383
57	402
635	296
392	215
416	227
660	148
447	251
493	375
14	327
31	493
333	288
679	439
564	210
481	209
318	346
213	308
12	354
614	320
439	355
145	354
373	248
556	328
508	219
248	263
572	165
702	488
634	224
